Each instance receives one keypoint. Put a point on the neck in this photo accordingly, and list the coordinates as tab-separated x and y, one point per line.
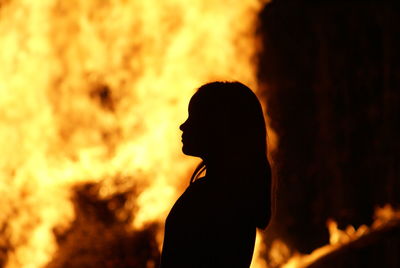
221	166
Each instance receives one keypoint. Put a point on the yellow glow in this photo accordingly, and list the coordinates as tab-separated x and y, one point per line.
93	90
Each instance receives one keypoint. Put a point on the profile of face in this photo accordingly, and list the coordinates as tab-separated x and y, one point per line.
225	118
196	136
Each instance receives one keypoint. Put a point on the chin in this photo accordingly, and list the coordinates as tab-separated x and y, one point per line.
189	151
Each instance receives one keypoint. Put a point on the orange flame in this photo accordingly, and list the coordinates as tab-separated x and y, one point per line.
92	90
282	257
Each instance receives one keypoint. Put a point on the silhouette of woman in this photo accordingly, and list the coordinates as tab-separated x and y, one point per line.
213	223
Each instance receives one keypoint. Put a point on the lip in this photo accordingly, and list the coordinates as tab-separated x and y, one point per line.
183	140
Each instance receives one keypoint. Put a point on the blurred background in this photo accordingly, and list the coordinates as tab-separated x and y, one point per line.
330	76
92	94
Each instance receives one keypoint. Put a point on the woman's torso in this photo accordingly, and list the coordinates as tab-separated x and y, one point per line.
207	228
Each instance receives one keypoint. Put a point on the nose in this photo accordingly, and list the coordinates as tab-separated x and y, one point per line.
181	127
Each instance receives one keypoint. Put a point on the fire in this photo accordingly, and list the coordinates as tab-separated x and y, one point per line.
94	91
281	256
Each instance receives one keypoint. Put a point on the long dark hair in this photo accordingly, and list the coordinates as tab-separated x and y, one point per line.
241	119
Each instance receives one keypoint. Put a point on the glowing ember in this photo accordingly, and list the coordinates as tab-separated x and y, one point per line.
95	90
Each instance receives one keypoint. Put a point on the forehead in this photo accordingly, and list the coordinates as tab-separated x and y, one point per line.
208	102
206	97
196	104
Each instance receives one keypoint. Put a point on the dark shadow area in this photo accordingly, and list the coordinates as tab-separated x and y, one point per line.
100	235
5	246
330	71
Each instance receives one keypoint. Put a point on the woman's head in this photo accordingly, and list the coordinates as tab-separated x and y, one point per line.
224	118
226	127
